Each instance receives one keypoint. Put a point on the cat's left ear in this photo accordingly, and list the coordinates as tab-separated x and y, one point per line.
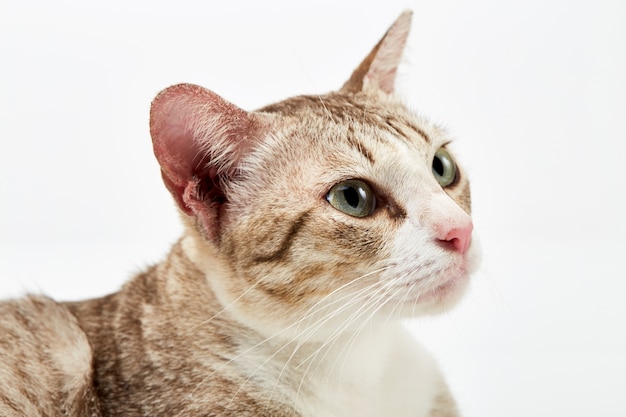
378	70
200	140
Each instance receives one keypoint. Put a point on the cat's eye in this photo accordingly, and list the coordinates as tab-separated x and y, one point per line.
444	167
353	197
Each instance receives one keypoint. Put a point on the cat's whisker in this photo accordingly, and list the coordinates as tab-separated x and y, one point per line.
372	308
393	290
249	289
352	299
350	319
247	351
226	307
303	336
314	327
286	329
342	288
399	289
336	290
330	115
383	298
375	305
238	356
330	341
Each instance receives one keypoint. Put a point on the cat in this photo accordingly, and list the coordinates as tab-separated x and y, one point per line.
312	227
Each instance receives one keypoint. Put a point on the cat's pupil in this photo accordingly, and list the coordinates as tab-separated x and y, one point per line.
438	166
352	196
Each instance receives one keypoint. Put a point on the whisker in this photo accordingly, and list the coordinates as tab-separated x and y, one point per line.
305	334
243	294
330	115
293	339
351	318
374	306
315	326
384	297
344	286
302	336
333	339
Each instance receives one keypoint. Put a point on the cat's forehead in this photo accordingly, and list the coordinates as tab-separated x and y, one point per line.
360	115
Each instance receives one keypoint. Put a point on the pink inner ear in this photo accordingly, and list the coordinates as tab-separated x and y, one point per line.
174	145
186	122
198	136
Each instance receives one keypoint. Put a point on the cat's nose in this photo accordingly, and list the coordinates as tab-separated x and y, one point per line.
459	237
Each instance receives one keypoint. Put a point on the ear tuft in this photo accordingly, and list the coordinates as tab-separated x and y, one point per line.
377	72
199	140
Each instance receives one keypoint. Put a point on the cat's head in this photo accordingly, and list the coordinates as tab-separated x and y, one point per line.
320	210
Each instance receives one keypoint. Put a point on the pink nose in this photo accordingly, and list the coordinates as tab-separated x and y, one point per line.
459	237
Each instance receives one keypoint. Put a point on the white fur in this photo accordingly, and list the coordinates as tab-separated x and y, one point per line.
384	373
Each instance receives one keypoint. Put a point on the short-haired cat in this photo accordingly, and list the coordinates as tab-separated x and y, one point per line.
312	227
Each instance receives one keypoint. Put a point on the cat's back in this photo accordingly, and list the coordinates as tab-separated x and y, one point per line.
45	361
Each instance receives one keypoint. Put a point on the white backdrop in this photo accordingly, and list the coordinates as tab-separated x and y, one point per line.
533	91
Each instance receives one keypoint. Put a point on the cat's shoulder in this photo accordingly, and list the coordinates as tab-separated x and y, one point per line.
45	360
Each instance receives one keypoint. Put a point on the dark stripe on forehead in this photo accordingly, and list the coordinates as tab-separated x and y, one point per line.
359	146
419	131
400	128
280	252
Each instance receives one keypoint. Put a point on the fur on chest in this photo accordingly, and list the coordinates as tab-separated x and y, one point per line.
381	371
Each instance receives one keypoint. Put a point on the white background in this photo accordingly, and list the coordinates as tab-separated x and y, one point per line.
533	91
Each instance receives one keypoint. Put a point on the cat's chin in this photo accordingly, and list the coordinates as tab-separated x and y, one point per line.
445	296
438	299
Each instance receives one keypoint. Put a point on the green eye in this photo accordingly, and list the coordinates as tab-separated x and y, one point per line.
444	168
352	197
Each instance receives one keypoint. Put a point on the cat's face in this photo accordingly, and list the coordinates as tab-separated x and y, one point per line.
325	212
342	212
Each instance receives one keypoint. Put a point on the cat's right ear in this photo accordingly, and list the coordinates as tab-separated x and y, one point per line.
378	70
199	140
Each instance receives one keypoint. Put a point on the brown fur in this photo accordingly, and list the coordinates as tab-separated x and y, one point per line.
50	370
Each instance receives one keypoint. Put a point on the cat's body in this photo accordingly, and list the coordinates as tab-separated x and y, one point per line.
312	226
